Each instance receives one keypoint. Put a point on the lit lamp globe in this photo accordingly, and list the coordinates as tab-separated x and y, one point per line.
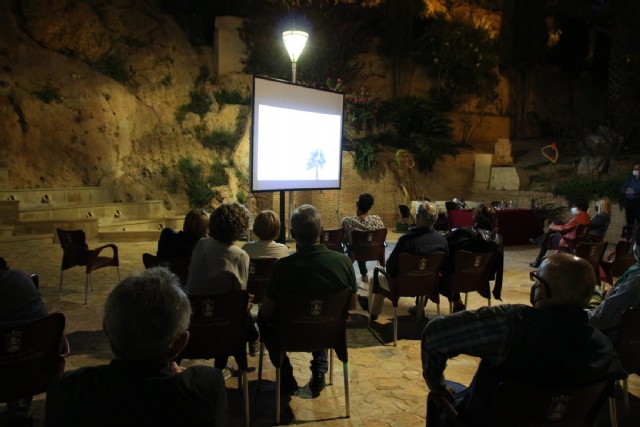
294	41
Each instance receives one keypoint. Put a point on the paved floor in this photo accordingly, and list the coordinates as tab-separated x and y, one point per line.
386	384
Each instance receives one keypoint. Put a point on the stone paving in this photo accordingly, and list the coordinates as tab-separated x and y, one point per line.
386	384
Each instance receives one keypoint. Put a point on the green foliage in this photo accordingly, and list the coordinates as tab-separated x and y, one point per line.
199	104
203	75
590	188
48	93
113	66
242	197
197	188
419	128
547	212
173	179
460	58
134	42
218	174
365	154
219	139
338	32
225	96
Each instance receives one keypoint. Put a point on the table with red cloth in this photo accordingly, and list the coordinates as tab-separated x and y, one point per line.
516	226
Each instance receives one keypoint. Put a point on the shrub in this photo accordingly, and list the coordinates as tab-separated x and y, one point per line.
197	188
226	96
48	93
590	188
364	154
218	174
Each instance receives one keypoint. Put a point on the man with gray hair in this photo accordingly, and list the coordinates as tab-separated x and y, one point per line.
313	270
146	319
422	240
549	343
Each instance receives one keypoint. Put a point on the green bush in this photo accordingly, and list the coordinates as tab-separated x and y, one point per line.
48	93
365	154
197	188
226	96
219	139
590	188
113	66
218	174
199	104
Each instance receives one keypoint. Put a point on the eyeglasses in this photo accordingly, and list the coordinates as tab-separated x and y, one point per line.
534	277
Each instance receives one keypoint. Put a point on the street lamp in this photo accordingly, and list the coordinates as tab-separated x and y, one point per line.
294	41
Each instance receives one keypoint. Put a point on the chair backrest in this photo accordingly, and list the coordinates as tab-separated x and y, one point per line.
178	266
368	245
628	347
418	275
451	206
520	404
623	258
593	253
405	212
30	356
332	239
471	272
582	232
74	247
218	327
259	270
314	322
150	260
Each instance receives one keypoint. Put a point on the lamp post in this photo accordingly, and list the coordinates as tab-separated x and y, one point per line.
294	41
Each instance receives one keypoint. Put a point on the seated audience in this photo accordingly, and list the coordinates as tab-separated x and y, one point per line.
558	232
180	244
549	343
422	240
146	319
481	237
312	269
361	221
20	303
267	227
217	265
600	222
624	294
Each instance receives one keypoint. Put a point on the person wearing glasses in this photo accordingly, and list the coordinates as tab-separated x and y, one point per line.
548	343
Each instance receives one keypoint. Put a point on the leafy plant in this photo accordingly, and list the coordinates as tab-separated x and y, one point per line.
199	104
242	197
203	75
225	96
197	188
48	93
547	212
419	128
365	154
460	58
218	174
590	188
113	66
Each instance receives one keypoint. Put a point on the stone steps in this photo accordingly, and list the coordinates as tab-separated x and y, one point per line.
34	213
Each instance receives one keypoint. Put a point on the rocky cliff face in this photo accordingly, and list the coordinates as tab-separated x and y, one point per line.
89	92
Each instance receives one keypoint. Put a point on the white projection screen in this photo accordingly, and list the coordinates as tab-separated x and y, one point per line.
296	140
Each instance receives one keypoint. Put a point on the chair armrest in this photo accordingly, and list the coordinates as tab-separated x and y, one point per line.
94	253
446	406
65	349
611	256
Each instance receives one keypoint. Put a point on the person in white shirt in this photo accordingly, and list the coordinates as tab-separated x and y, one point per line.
267	227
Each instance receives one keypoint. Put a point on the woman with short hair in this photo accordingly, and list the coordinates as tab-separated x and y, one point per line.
267	227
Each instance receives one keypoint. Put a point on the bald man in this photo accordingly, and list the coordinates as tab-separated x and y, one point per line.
549	343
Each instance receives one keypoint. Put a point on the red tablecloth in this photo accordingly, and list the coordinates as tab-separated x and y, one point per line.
516	226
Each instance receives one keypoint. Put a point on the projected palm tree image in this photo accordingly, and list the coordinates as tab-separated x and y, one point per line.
316	161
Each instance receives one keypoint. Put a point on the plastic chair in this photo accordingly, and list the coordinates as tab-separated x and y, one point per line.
581	235
77	253
368	245
178	266
593	253
332	239
471	274
628	349
30	357
405	212
519	404
617	262
419	276
218	328
311	323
